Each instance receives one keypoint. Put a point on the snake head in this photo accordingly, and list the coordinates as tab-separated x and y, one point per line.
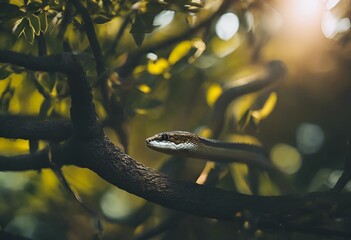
175	142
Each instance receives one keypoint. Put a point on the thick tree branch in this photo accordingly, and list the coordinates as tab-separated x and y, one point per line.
123	171
83	113
21	127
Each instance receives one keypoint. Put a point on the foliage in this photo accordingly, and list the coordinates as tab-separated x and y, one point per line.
148	79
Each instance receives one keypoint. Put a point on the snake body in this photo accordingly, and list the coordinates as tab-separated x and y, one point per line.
272	72
189	144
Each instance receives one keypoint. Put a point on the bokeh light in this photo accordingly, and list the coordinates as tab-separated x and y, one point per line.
227	26
305	10
116	203
23	225
309	137
163	18
13	181
286	158
331	25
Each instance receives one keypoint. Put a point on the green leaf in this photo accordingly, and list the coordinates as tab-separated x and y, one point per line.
101	19
4	73
29	33
19	27
43	21
34	22
137	30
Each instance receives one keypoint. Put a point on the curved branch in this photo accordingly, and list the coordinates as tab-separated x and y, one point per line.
83	114
23	127
121	170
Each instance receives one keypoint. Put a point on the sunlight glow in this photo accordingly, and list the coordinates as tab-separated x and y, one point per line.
306	9
331	3
227	26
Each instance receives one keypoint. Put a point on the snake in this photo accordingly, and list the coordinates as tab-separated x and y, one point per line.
188	144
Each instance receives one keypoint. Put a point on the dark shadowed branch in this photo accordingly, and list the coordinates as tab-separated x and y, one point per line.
31	128
93	40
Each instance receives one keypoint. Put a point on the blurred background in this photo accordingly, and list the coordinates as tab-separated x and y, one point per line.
305	126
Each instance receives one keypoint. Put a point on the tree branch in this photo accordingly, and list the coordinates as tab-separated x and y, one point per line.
93	40
52	63
21	127
83	113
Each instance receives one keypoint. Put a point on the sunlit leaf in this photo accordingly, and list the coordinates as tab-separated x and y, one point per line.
12	147
213	92
19	27
239	172
43	21
180	51
205	132
144	88
34	22
29	32
200	47
267	108
158	67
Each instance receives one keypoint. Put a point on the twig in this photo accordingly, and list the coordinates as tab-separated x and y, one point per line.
346	175
120	33
66	18
92	37
58	172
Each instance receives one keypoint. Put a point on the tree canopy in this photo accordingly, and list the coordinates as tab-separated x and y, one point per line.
83	83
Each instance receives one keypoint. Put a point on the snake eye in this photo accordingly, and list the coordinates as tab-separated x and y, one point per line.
165	136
